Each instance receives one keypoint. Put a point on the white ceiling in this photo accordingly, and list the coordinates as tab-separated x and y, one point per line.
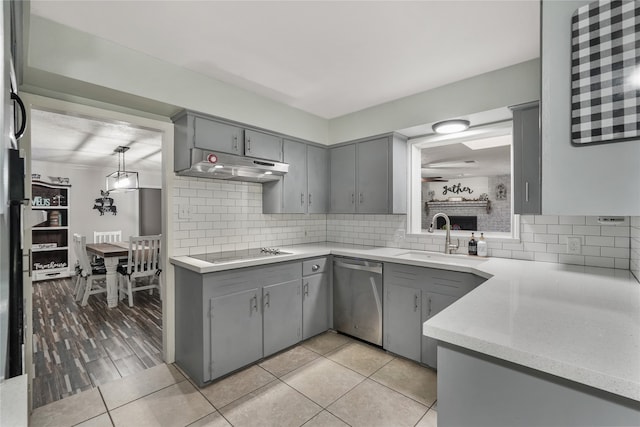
329	58
61	138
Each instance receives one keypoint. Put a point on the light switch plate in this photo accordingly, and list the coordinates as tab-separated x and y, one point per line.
574	245
184	211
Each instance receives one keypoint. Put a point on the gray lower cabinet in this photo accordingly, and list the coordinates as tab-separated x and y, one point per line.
527	181
316	297
227	320
369	176
432	304
402	317
282	316
412	296
305	188
236	331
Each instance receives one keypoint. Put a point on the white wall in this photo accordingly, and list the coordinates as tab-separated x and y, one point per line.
508	86
86	184
589	180
62	51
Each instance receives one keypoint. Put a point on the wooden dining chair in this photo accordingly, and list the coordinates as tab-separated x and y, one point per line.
92	281
78	289
143	260
107	236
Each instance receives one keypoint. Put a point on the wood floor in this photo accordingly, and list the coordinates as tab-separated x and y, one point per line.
78	348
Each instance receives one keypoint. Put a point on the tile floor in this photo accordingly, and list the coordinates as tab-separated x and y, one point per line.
329	380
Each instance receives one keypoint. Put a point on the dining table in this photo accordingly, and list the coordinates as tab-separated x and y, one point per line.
112	253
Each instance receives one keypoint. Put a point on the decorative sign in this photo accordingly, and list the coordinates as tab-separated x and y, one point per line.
456	189
501	192
105	204
41	201
605	77
47	266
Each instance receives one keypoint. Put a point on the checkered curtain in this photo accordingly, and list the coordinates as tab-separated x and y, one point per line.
605	60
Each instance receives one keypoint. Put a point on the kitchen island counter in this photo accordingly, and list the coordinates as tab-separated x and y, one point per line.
574	322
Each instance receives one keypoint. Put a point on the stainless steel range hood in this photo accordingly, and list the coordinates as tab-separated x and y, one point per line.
209	164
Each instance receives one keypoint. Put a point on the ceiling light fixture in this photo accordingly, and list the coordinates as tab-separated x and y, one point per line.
122	180
451	126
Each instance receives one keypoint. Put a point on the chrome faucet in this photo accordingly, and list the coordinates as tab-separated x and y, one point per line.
448	246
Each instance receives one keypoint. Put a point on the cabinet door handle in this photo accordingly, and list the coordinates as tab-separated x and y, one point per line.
30	262
235	142
415	302
248	143
353	198
254	303
302	198
309	199
306	289
429	306
267	300
361	196
526	191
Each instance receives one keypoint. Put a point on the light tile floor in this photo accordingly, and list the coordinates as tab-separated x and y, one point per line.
329	380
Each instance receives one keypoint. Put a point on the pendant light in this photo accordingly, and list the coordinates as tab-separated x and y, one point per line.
122	180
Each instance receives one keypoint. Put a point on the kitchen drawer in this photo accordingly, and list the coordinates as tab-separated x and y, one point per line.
314	266
50	274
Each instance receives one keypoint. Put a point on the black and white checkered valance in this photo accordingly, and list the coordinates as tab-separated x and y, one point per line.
605	72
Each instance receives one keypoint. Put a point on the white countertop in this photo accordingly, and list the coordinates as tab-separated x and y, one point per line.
575	322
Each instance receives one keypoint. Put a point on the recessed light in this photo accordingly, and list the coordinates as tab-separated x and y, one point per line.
451	126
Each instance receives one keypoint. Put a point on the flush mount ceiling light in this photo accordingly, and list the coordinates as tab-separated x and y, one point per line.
122	180
451	126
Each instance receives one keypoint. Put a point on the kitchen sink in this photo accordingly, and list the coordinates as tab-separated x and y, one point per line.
438	257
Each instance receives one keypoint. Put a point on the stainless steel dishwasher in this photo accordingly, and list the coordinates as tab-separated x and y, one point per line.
357	298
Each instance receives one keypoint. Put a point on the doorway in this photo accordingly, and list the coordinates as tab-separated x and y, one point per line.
74	347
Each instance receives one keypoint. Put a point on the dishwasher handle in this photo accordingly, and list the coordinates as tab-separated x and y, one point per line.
373	267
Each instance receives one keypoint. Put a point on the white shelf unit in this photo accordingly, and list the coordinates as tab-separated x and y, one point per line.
50	262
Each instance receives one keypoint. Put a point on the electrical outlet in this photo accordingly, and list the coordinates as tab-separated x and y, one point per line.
184	211
399	235
574	245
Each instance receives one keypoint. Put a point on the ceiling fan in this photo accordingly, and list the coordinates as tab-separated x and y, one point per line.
434	179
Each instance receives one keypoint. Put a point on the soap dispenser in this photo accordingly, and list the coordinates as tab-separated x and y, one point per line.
473	246
482	246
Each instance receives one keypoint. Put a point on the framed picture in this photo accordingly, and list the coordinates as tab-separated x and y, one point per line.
605	72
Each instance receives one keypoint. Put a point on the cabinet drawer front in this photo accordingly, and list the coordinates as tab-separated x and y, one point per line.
277	273
431	279
314	266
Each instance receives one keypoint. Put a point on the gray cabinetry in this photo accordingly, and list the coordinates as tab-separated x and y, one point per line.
316	297
412	296
369	176
232	317
304	189
216	136
527	181
402	315
343	179
227	320
282	319
432	304
262	145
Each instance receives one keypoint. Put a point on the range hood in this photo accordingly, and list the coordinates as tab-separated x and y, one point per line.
209	164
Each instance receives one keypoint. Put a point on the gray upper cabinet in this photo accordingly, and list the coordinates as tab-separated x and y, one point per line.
262	145
294	183
343	179
527	180
372	176
304	189
317	179
216	136
369	176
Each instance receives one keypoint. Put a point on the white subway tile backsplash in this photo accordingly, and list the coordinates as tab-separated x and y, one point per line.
228	216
